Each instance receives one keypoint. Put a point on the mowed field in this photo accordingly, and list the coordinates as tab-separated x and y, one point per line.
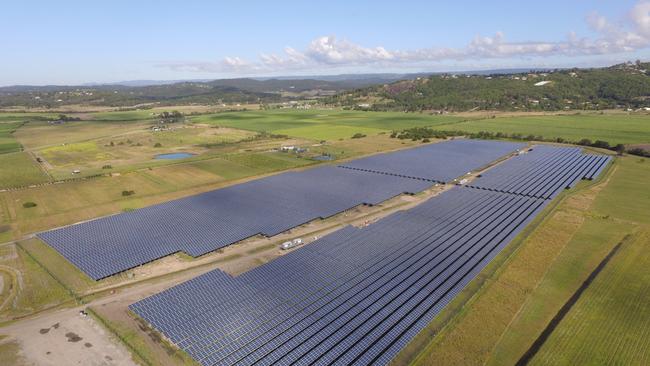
613	128
526	286
323	124
7	141
19	169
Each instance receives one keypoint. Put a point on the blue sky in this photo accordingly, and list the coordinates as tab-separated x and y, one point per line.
71	42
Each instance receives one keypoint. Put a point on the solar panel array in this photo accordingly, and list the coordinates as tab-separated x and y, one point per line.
354	297
359	295
439	162
203	223
542	172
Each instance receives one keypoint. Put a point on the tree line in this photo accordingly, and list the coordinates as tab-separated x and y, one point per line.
424	134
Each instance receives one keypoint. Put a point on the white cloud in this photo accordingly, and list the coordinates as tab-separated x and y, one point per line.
332	52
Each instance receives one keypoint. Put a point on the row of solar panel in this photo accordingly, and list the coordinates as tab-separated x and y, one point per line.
203	223
356	296
542	172
439	162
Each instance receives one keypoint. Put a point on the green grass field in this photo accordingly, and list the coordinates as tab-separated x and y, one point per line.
322	124
123	116
7	141
36	289
528	289
18	170
39	134
615	129
610	323
22	117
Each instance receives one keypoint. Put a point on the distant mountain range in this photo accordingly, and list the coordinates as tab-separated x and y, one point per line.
359	79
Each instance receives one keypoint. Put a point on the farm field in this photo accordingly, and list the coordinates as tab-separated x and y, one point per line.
19	169
615	129
546	268
41	134
610	323
323	124
7	141
29	287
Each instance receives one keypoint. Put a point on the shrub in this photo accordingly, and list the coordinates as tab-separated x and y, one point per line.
639	152
358	135
602	144
107	167
29	204
157	144
127	193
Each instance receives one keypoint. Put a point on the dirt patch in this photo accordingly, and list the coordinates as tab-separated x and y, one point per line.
65	339
73	337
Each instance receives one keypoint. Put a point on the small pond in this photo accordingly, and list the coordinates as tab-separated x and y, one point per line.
178	155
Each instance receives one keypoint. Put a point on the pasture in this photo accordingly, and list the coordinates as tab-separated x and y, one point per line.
610	323
7	141
19	169
323	124
40	134
613	128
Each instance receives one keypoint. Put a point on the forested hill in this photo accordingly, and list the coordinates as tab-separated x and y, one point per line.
621	86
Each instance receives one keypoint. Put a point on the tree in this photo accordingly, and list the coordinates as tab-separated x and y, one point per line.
620	149
601	144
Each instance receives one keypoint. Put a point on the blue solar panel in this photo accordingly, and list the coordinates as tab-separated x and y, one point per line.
542	172
349	296
203	223
357	296
441	162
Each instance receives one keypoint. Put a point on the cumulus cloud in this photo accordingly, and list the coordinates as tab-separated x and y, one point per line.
332	52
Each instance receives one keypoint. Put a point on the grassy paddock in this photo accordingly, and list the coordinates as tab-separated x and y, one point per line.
322	124
612	318
19	170
7	141
36	289
615	129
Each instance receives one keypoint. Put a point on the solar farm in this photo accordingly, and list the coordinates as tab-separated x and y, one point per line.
356	296
203	223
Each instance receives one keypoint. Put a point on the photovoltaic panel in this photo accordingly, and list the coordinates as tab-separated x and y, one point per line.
203	223
359	295
542	172
349	297
441	162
